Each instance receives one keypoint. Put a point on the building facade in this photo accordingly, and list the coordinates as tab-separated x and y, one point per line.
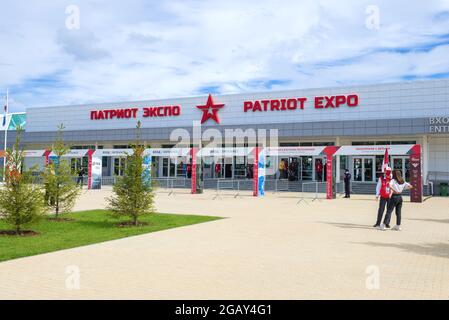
393	113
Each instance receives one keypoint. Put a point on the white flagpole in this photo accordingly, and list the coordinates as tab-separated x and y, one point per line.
6	133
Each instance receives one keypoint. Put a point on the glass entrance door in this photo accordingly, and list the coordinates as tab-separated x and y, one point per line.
165	167
402	164
168	167
363	169
228	174
119	166
78	164
219	168
319	169
294	168
181	167
307	168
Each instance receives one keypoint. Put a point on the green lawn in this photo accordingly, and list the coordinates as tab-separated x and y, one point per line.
89	227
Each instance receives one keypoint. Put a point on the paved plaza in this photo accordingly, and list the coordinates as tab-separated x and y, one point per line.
265	248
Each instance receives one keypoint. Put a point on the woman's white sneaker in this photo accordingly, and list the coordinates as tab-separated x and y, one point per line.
397	228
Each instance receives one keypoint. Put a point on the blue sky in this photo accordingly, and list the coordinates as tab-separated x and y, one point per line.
136	50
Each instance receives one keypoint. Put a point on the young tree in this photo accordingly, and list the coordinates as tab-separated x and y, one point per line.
61	191
133	192
21	201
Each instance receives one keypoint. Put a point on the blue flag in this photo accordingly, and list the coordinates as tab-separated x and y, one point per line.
5	111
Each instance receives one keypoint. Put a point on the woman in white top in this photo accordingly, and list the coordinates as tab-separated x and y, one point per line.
397	186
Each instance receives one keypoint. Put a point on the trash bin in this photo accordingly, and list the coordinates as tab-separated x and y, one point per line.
443	189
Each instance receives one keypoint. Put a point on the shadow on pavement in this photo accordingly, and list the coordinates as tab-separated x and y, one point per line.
350	225
431	220
433	249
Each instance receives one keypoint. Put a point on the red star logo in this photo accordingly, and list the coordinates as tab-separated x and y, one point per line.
210	110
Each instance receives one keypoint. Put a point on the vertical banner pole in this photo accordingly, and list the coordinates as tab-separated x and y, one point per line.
47	157
96	174
330	152
329	176
193	152
255	170
147	163
415	174
89	169
261	173
5	120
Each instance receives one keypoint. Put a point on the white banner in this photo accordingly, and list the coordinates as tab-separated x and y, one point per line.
294	151
168	152
73	153
96	172
261	173
146	174
225	152
113	152
374	150
34	153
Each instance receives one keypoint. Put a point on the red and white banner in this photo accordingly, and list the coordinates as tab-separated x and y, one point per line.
89	168
193	154
329	152
415	174
256	171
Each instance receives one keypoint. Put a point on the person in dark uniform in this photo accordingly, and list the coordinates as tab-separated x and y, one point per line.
319	170
189	170
347	180
81	174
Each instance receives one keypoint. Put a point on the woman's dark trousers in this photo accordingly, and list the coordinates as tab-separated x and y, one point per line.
395	203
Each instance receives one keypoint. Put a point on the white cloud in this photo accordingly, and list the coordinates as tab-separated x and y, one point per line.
156	49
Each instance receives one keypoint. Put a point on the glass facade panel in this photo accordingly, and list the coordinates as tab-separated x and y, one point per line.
357	169
368	169
306	168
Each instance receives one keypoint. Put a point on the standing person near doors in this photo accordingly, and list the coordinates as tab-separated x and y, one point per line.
347	180
319	170
383	192
218	170
281	169
397	186
189	170
248	171
81	174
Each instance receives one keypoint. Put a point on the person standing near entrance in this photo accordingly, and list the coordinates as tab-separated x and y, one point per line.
182	167
81	174
281	169
319	170
248	171
347	180
295	169
218	170
397	186
189	170
383	192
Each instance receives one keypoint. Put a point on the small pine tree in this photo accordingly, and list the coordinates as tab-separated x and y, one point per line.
133	192
21	201
61	191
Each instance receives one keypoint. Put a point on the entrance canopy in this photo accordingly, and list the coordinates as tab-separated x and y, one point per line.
397	150
258	154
